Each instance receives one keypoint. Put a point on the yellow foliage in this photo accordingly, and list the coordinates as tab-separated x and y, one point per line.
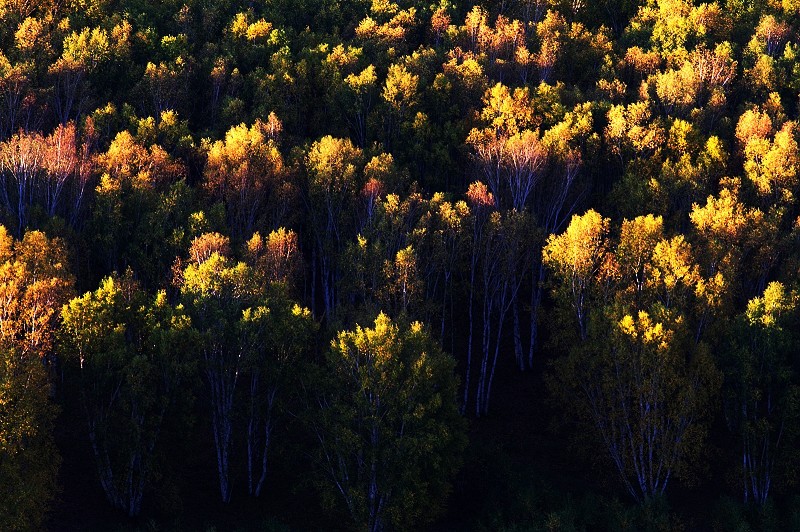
579	250
246	162
772	165
724	218
766	310
243	27
87	48
644	330
361	83
342	56
400	89
31	36
673	264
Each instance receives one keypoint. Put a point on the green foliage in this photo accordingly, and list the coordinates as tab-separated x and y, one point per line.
389	430
762	398
129	351
29	460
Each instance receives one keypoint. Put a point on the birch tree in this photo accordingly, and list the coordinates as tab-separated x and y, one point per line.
129	349
576	258
644	396
388	430
250	334
245	172
761	395
216	291
333	168
34	283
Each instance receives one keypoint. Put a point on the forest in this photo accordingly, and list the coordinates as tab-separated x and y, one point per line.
384	265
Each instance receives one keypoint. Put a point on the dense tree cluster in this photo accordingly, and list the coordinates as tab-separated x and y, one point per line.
288	250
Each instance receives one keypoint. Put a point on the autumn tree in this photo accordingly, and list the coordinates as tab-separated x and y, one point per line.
165	84
504	258
141	203
249	38
442	241
275	337
760	392
727	230
333	171
17	96
351	87
632	131
276	257
21	166
246	331
645	391
480	203
129	350
275	334
84	52
245	172
700	85
569	142
48	174
512	159
576	259
771	163
383	262
387	25
400	97
388	430
551	32
642	380
35	283
509	154
29	459
216	292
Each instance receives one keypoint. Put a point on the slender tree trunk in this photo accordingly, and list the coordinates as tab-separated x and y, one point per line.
469	338
251	431
517	337
485	349
444	308
267	441
313	282
501	319
222	386
536	302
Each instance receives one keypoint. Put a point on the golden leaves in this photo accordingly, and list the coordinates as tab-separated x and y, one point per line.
129	160
245	168
400	90
332	163
363	82
724	218
646	331
206	245
243	27
767	309
578	251
479	196
276	258
34	284
772	165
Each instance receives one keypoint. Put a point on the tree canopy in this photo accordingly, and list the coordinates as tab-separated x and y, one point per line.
558	240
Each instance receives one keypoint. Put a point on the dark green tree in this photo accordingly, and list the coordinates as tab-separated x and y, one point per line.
388	427
761	394
130	352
